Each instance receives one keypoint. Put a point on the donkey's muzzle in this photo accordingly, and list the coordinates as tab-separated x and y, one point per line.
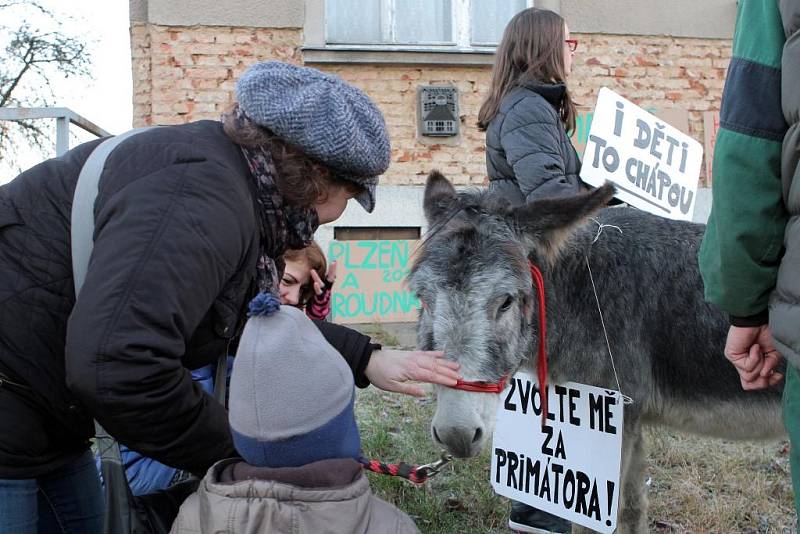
461	442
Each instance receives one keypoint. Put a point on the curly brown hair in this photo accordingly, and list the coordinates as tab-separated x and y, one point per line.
302	180
314	258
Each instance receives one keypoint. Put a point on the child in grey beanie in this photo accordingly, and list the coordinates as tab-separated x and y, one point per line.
291	415
284	367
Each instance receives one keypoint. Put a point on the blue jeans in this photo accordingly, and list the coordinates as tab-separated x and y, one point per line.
68	500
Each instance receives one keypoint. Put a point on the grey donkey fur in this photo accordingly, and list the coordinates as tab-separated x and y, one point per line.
472	277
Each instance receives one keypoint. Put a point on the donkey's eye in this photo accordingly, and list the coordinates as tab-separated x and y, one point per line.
423	304
507	303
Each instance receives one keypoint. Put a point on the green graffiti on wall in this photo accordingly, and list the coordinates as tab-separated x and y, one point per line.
583	123
369	254
372	286
374	305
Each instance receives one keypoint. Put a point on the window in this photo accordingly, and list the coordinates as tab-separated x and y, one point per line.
488	19
419	23
380	233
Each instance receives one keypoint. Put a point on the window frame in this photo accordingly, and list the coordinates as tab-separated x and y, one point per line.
461	24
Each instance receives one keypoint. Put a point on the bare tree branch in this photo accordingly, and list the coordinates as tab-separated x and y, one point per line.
7	90
27	3
32	57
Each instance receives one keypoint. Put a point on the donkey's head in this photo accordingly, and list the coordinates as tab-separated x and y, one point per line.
473	280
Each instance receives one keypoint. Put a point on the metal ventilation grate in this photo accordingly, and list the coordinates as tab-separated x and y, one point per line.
438	110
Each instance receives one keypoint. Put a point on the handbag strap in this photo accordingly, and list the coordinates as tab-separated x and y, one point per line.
221	380
118	494
82	215
82	242
82	234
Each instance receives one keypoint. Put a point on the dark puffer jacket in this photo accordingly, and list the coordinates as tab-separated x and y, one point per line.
170	275
528	153
785	302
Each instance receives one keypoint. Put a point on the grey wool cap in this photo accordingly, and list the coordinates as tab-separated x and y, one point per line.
325	117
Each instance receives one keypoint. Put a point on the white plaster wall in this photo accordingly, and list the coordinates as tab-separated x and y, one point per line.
246	13
394	206
712	19
683	18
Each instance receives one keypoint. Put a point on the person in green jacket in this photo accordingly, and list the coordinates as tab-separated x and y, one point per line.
750	255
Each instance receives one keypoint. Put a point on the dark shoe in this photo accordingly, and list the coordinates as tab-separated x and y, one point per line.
528	519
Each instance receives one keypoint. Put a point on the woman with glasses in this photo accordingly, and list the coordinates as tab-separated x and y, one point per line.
527	116
529	111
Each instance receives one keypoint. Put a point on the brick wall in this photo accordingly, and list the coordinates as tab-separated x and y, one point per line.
188	73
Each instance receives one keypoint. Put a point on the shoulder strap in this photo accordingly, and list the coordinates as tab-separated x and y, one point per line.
82	238
221	380
82	230
82	216
118	518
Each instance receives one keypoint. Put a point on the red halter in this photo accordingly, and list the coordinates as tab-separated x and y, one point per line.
497	387
481	386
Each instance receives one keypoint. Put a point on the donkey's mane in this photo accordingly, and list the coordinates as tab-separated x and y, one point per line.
466	207
477	222
474	224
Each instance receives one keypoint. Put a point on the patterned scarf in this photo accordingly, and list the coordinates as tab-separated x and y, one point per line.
283	226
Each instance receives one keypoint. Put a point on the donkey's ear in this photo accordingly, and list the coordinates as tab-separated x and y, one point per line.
439	192
546	224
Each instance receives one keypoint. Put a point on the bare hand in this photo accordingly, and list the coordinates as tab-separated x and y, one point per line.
330	276
394	370
751	351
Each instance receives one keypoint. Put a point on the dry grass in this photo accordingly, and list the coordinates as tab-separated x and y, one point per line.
378	333
697	485
715	486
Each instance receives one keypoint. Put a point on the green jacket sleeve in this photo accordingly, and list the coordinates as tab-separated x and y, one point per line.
743	243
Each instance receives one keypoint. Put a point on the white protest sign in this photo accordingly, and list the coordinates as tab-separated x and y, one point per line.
571	466
654	166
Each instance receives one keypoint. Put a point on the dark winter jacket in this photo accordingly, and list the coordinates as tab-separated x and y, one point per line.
750	256
528	153
784	316
170	275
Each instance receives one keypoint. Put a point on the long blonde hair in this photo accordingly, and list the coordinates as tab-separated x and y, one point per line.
532	49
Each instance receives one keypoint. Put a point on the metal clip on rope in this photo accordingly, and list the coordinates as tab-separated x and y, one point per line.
426	471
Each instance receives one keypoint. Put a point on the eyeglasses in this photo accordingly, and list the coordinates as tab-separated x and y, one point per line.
572	43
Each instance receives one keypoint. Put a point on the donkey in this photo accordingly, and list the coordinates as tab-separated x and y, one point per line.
472	277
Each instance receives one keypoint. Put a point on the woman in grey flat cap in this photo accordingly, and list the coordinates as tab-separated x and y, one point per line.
191	221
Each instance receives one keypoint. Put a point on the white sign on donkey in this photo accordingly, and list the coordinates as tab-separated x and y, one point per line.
654	166
569	467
